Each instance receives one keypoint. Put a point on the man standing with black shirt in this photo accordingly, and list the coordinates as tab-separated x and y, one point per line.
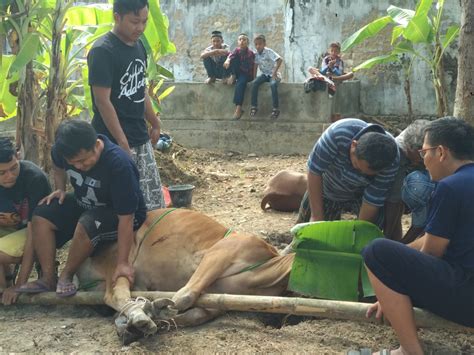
117	70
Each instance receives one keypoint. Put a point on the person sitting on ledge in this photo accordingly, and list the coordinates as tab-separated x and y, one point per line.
214	57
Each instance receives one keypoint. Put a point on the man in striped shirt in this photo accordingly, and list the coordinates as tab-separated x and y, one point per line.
351	168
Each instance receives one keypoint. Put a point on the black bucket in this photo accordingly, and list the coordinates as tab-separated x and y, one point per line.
181	195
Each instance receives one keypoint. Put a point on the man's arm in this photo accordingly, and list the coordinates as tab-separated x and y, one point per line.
109	115
393	212
153	119
28	257
277	66
315	195
214	53
125	242
368	212
434	245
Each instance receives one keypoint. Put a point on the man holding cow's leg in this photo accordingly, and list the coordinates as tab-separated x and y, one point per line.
106	205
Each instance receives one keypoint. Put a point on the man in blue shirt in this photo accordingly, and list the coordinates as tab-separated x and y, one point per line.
106	205
436	271
352	167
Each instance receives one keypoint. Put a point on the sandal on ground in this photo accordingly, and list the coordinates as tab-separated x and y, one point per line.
236	116
275	113
253	111
66	289
37	286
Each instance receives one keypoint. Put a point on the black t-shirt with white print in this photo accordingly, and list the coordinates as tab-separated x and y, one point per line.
113	182
122	68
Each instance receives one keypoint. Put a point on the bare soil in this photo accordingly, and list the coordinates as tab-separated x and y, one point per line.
228	188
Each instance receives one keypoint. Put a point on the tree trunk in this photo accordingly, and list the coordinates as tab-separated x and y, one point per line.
464	103
56	105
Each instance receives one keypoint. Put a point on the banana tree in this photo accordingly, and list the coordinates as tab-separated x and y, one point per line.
416	34
55	47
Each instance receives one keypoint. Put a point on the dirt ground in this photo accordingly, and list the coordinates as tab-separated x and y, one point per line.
228	188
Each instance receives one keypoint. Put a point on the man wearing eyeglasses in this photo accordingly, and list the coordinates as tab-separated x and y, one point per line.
435	272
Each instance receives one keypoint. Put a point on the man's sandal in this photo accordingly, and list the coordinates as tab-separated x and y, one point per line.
275	113
253	111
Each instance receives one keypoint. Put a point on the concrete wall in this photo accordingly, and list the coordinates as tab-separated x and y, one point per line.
199	115
300	31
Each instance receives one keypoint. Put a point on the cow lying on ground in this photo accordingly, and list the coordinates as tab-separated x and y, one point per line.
285	191
185	251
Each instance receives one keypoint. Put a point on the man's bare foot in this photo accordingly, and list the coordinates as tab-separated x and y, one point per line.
210	80
231	80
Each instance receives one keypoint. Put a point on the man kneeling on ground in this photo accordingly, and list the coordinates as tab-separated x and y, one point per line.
107	205
436	271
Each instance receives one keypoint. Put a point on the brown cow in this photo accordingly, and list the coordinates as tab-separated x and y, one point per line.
185	251
285	191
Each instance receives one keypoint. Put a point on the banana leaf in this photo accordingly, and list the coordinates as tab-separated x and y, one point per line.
328	263
8	102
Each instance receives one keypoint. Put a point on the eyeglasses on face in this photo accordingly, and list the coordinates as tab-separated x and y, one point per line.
422	152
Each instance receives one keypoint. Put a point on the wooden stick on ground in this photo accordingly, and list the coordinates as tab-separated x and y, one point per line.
286	305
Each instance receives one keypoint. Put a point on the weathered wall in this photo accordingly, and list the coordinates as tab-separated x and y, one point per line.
300	31
200	115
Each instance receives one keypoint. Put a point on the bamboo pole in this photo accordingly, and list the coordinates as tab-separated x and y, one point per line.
287	305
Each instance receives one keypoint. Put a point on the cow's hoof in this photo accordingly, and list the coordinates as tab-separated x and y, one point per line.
184	299
127	335
163	309
137	319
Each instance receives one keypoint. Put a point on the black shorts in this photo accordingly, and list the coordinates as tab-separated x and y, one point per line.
101	223
431	283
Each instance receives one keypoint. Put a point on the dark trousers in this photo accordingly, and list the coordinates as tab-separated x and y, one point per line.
273	86
215	69
240	86
431	283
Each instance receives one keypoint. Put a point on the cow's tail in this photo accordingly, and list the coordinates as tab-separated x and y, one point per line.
265	200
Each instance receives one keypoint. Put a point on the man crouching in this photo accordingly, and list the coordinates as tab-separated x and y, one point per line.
106	205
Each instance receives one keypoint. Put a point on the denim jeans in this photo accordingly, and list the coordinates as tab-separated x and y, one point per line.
273	86
240	86
215	69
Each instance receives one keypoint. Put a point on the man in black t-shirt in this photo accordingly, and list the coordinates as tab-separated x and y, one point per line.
22	186
107	205
117	70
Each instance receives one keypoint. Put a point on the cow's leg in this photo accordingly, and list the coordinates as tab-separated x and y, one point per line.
214	263
196	316
135	311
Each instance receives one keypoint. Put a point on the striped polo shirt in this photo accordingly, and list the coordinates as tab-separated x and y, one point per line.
330	159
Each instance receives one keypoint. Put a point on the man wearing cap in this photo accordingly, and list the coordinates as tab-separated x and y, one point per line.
436	271
214	57
409	142
351	168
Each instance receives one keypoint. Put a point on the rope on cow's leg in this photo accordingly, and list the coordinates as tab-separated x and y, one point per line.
131	304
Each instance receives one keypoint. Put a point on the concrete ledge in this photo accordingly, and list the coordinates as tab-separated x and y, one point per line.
200	116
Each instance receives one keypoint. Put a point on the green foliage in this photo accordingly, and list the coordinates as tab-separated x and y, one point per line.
412	31
7	100
328	263
82	26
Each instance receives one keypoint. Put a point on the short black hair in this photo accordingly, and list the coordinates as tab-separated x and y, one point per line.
453	133
74	135
123	7
7	150
216	34
378	149
260	38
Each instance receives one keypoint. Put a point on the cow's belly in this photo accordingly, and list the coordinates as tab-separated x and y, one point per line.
167	270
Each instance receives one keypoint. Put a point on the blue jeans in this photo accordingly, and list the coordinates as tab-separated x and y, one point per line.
215	69
273	86
240	86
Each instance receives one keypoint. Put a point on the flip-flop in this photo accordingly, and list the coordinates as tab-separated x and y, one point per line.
69	285
37	286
